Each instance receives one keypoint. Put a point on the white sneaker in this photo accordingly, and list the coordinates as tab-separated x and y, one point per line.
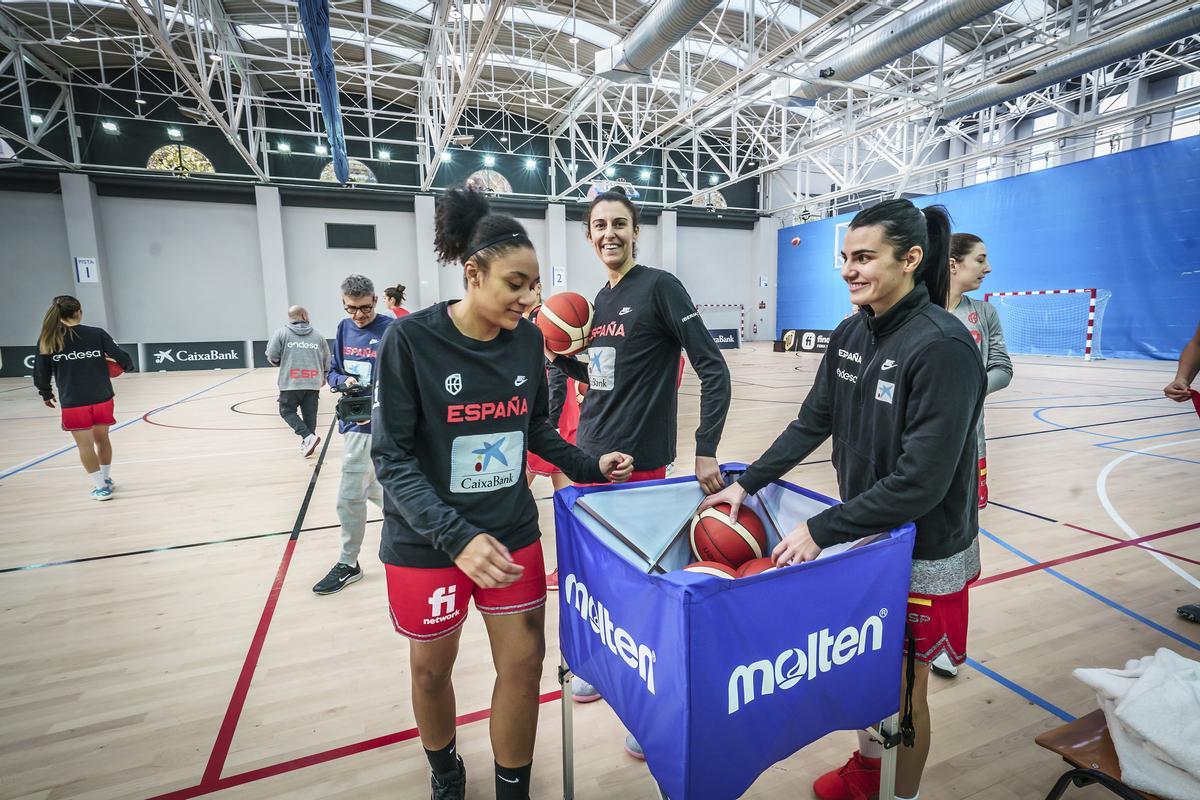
102	493
309	445
942	665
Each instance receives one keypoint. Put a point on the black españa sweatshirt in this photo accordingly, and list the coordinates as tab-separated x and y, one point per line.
453	419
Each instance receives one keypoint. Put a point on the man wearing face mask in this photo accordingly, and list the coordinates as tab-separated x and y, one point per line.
355	349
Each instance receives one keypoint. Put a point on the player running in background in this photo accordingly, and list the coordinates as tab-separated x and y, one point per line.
900	390
77	357
460	396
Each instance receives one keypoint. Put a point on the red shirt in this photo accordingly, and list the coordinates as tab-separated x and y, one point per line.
399	312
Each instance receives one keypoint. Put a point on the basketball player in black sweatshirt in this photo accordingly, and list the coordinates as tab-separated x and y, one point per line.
460	394
77	357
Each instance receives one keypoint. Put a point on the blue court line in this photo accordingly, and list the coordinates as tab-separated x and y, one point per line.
1021	690
125	424
1061	397
1093	593
1113	446
1038	416
1152	436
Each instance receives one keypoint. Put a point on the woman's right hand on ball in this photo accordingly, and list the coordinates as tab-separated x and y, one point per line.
488	563
733	494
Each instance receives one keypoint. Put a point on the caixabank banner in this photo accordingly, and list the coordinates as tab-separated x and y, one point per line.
177	356
726	338
719	679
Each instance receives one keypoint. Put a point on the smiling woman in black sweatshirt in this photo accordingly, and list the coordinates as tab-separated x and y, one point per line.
460	396
77	358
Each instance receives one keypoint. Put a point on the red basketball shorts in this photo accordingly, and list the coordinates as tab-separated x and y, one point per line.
939	623
83	418
427	604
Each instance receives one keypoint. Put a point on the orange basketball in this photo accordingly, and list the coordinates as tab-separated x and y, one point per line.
114	369
755	566
795	241
713	568
565	320
713	538
580	391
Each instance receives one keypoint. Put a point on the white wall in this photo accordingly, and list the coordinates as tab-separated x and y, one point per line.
314	272
585	273
714	262
35	264
182	271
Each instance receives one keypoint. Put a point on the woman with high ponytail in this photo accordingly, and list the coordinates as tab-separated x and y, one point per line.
394	297
899	389
460	398
81	360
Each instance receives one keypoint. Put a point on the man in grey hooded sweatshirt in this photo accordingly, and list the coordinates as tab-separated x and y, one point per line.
302	356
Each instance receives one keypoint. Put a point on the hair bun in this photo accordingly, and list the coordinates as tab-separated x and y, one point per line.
617	188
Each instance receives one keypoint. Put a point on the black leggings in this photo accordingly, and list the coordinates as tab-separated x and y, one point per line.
306	401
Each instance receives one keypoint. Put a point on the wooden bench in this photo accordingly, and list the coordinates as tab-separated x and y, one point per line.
1087	747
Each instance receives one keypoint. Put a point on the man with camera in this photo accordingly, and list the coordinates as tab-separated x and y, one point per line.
303	358
351	371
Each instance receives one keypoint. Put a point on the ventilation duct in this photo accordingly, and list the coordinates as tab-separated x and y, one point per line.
1148	37
903	35
668	22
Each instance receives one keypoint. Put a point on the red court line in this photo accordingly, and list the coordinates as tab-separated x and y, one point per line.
220	751
294	764
1140	547
1120	545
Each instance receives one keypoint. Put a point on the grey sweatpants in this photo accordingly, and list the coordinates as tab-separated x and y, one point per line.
358	486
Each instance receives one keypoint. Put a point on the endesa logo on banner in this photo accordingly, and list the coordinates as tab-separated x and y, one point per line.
726	338
803	340
17	362
176	356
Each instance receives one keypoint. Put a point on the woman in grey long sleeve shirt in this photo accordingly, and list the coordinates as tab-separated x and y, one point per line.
968	267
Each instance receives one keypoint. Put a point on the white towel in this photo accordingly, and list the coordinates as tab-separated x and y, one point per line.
1152	708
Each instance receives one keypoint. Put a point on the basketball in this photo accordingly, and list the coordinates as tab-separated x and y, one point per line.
714	539
565	320
580	391
755	566
713	568
795	241
114	369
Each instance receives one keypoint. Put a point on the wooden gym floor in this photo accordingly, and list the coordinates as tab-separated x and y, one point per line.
168	644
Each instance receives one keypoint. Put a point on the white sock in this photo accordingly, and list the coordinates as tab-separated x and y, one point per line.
97	478
868	747
104	468
916	796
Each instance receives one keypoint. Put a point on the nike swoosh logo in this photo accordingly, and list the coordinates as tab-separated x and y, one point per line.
519	381
506	780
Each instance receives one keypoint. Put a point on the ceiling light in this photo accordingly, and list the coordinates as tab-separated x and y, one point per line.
175	133
141	101
283	147
504	138
610	171
447	156
572	166
645	174
712	180
385	155
530	164
574	40
321	150
109	126
70	37
214	57
639	152
36	119
489	160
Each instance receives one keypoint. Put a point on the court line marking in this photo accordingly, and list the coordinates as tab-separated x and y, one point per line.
1093	593
1120	544
189	457
1021	690
1140	546
47	456
233	712
1126	528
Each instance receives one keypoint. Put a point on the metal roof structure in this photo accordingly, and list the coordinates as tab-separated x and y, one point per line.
751	99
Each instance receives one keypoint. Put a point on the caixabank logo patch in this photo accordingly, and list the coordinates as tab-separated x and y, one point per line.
486	462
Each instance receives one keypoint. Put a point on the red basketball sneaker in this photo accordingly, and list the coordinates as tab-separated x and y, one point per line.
857	780
983	490
552	581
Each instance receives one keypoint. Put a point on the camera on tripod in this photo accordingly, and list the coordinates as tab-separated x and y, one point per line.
354	405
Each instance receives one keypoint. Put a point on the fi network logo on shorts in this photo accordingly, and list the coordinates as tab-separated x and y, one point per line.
441	605
486	462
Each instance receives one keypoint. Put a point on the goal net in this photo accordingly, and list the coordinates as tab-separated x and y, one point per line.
1052	322
727	321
